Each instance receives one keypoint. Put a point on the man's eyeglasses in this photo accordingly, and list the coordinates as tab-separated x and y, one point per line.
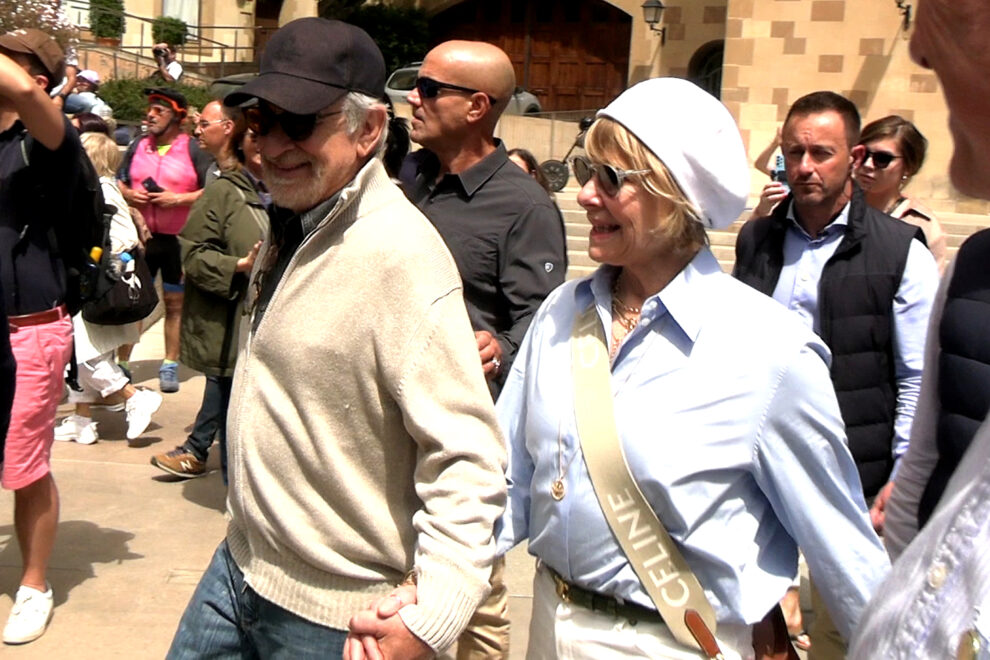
428	88
262	119
881	159
609	178
202	123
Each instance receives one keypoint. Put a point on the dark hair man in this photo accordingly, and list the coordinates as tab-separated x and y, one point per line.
39	158
859	279
934	603
168	67
162	174
362	442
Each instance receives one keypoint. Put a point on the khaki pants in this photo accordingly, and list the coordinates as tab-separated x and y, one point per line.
487	633
826	642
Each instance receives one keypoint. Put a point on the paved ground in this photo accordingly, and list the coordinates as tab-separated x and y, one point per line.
133	541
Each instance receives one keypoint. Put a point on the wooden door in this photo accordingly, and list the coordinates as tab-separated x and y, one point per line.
572	54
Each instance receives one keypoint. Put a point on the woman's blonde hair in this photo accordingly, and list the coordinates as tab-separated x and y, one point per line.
103	153
608	141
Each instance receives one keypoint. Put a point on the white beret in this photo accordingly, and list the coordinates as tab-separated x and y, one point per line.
696	138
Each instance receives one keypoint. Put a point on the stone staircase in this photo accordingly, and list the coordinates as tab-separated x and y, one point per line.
958	227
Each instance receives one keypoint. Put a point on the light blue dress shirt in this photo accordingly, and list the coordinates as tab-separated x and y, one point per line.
729	422
797	289
939	589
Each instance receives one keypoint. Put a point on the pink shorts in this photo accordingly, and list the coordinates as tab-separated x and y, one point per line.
41	352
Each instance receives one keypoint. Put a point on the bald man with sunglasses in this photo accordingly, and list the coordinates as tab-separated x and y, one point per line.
505	233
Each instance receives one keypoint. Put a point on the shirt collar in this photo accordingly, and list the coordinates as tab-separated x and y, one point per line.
473	177
679	298
839	224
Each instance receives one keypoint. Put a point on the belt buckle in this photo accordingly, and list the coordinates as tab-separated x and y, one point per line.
563	589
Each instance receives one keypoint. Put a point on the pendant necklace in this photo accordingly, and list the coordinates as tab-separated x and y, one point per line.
557	490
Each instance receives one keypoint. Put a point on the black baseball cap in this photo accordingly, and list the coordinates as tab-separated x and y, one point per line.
169	96
310	63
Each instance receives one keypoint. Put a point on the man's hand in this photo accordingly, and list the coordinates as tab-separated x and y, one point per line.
878	511
378	633
167	199
490	353
133	196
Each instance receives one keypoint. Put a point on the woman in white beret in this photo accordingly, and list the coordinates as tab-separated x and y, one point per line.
719	402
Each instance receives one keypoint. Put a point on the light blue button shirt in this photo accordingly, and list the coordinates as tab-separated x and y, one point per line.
937	596
797	289
729	421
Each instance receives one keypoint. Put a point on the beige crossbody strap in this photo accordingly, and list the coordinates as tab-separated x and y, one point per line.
665	575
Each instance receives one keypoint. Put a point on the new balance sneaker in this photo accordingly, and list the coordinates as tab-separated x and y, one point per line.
180	462
140	408
29	617
78	428
168	377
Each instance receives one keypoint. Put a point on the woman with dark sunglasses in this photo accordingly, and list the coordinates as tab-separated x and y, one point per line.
718	399
895	151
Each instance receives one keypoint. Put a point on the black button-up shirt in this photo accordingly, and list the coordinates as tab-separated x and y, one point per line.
506	236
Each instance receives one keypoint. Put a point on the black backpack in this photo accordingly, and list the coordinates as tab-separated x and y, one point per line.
81	241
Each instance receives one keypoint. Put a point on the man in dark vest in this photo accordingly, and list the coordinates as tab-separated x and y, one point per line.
859	278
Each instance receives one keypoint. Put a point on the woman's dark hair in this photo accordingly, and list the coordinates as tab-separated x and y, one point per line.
91	123
913	144
532	167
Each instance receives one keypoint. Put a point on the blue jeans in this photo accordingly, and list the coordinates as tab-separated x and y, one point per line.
226	619
211	420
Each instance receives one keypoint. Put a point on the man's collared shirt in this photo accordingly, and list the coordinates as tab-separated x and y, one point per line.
506	237
797	289
731	428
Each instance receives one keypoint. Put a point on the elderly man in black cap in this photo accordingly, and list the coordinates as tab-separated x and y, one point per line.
363	448
162	174
39	159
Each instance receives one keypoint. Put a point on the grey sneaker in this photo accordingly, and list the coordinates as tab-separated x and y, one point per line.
180	463
168	378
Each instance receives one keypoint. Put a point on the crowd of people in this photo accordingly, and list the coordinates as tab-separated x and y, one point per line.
404	387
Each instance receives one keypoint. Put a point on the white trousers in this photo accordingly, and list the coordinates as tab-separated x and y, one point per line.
98	378
563	630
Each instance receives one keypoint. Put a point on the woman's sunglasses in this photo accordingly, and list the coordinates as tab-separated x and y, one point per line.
609	178
262	119
428	88
881	159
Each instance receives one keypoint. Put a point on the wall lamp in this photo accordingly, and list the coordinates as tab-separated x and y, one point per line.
652	10
905	10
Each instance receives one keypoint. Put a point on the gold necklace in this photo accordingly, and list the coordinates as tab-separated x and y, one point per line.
557	490
627	317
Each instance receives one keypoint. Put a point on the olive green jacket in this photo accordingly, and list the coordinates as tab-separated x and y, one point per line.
223	226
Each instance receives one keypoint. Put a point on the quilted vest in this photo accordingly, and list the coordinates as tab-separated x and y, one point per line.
855	299
964	365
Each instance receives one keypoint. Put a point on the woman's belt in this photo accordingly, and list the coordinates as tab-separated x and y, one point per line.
596	602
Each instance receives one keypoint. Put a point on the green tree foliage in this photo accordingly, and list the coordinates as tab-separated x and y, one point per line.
166	29
41	14
401	32
126	96
106	18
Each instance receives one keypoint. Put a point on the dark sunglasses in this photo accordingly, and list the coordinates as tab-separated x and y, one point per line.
609	178
428	88
262	119
881	159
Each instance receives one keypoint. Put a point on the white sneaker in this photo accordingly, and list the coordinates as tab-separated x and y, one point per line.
78	428
29	617
140	408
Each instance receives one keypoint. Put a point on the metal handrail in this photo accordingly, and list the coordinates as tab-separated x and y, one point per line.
79	13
